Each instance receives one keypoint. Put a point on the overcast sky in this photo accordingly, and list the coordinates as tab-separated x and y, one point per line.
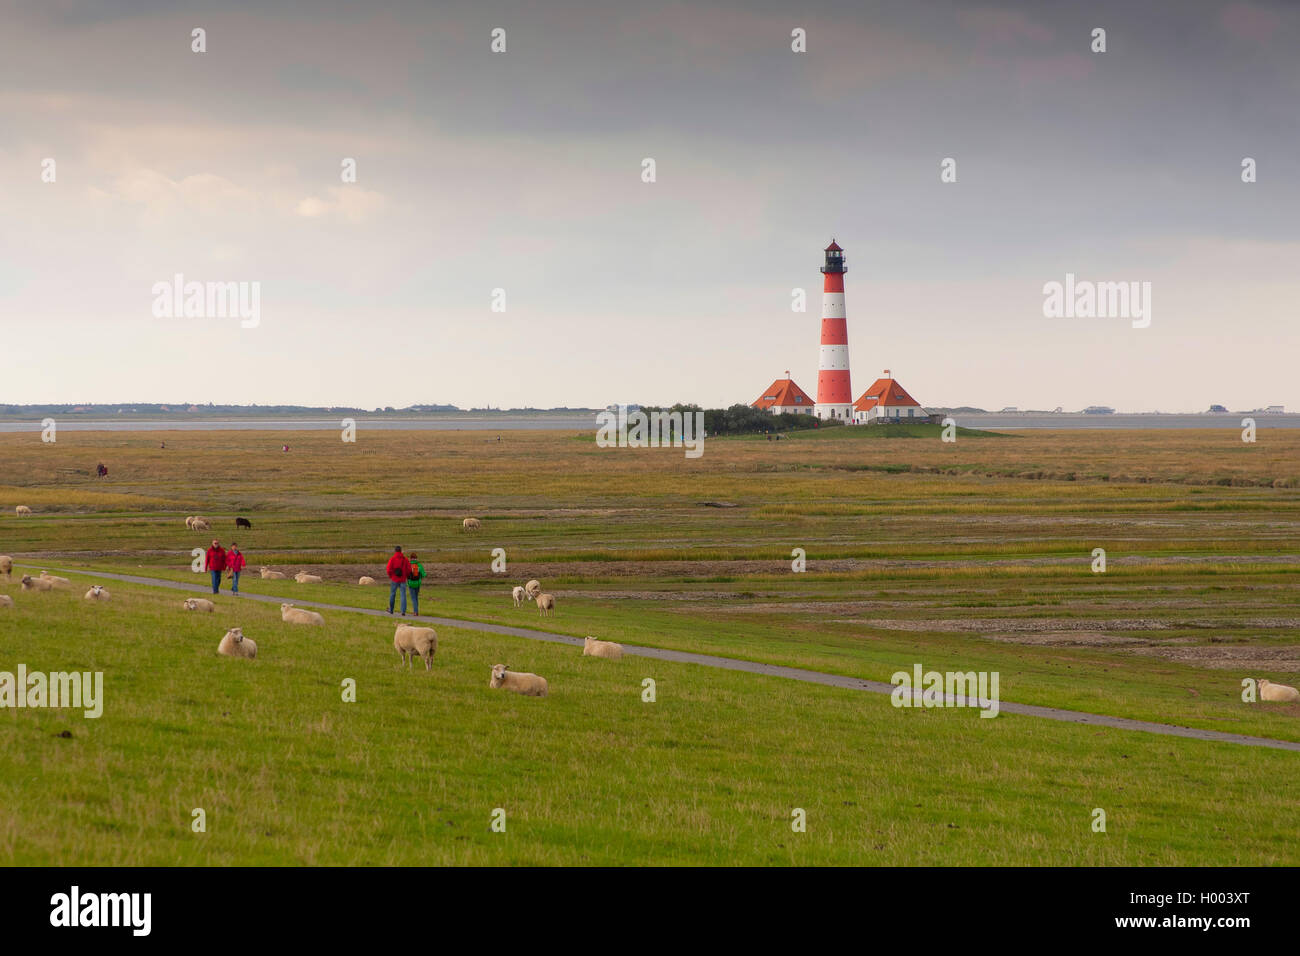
522	171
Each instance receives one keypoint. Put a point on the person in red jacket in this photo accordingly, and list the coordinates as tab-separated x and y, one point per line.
216	563
234	564
399	571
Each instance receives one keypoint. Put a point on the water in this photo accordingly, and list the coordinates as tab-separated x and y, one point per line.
578	421
559	422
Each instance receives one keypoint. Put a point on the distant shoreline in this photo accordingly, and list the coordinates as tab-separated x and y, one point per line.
586	421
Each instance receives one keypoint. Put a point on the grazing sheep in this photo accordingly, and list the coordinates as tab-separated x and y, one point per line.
201	524
30	583
532	589
199	604
243	523
297	615
518	595
22	511
269	575
471	524
545	603
528	684
365	579
7	566
412	642
98	593
594	648
1277	692
234	644
302	577
55	580
189	522
6	601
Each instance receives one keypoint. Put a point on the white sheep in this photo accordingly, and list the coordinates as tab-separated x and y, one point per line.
412	642
7	567
518	595
545	603
98	593
55	580
189	522
6	601
299	615
594	648
30	583
269	575
528	684
532	589
22	511
201	524
302	577
1281	693
365	579
471	524
234	644
198	604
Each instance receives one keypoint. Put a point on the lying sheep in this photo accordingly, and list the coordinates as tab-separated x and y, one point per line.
302	577
269	575
7	567
471	524
55	580
199	604
365	579
532	589
299	615
528	684
412	642
6	601
98	593
1281	693
30	583
22	511
234	644
518	595
594	648
545	603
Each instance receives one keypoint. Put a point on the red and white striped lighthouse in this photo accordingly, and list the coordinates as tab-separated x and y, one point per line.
834	393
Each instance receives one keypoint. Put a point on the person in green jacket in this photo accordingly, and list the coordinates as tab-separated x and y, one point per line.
414	581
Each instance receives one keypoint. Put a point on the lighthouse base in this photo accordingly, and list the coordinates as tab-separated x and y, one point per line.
839	412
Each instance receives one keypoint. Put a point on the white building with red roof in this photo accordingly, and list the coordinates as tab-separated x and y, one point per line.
886	400
785	397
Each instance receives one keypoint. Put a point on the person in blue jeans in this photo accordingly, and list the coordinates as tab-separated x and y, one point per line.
399	569
414	581
234	564
216	564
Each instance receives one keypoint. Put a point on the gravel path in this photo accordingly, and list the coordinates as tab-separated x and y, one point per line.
732	664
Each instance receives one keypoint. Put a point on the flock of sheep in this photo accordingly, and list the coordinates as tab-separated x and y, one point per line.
409	641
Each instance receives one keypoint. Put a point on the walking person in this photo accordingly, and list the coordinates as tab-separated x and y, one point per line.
216	563
399	569
413	581
234	564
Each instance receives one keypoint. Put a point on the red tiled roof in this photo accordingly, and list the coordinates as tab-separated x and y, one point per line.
884	391
833	247
783	392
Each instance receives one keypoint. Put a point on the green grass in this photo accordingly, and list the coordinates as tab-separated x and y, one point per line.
918	550
709	773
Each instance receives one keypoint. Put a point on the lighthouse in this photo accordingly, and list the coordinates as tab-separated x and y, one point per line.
834	393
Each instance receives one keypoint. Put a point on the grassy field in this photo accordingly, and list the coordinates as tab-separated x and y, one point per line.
974	555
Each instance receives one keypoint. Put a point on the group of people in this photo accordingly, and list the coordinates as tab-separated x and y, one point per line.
405	574
220	561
